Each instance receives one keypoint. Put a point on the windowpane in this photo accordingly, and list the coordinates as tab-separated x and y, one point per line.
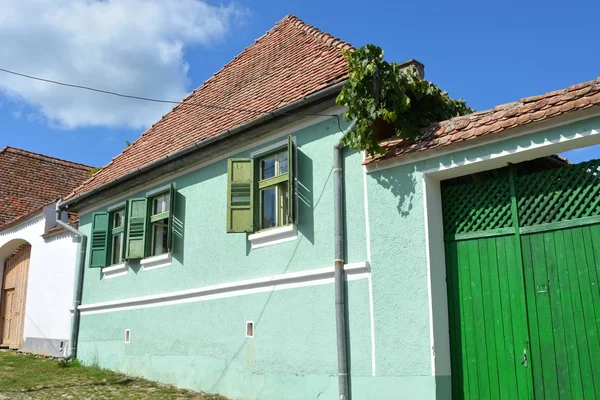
161	204
274	206
282	159
118	218
267	168
282	206
117	243
268	201
159	237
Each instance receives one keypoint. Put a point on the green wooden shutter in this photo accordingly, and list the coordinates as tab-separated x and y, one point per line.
240	195
136	228
99	248
173	200
291	181
124	246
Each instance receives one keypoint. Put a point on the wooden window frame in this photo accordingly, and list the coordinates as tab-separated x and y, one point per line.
162	217
272	182
115	231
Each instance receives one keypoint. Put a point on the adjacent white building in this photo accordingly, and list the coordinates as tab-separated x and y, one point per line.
37	257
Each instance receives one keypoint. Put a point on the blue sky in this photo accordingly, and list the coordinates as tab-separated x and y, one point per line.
486	52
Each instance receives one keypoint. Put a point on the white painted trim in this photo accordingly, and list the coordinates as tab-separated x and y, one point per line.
158	190
370	278
115	270
273	236
291	280
275	146
483	141
429	287
116	206
156	262
284	131
513	152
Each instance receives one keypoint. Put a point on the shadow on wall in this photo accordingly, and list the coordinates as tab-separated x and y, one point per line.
306	209
178	227
304	187
401	184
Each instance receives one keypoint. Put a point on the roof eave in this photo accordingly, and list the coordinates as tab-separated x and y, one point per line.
280	112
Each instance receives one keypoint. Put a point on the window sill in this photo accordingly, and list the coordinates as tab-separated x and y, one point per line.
155	262
115	270
273	236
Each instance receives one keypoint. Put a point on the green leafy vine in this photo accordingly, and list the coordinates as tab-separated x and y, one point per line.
387	98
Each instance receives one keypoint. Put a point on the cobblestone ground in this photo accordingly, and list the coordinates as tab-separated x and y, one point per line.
33	377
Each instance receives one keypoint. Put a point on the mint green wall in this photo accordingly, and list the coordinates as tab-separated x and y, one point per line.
399	259
205	254
202	345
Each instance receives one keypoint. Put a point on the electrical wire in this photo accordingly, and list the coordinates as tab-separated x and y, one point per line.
153	100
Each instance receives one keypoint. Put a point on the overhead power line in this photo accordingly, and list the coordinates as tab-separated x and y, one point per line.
153	100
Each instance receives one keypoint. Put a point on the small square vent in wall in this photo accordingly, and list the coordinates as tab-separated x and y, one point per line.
249	328
127	335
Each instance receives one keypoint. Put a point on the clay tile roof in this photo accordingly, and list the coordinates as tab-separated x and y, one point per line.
512	115
289	62
29	181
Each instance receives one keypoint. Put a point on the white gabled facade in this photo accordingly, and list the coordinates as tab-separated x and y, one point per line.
49	295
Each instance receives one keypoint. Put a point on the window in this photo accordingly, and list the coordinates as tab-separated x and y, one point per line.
117	236
273	191
260	191
159	224
141	228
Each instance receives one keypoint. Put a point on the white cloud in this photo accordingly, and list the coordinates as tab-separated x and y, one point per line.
128	46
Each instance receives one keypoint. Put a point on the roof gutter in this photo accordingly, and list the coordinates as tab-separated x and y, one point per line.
205	142
78	290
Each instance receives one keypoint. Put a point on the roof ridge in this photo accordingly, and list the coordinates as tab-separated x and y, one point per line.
44	157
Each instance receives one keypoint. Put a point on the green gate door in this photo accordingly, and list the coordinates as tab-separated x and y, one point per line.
523	262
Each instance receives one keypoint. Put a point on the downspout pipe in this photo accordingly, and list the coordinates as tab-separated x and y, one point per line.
78	290
339	275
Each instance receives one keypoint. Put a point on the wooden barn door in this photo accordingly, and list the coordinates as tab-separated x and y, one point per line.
523	275
12	301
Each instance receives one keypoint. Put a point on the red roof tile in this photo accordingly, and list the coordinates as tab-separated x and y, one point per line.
499	119
289	62
29	181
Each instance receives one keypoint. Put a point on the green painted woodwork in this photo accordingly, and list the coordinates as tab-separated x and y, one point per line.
291	181
240	195
100	240
524	303
560	194
487	319
172	203
137	228
563	299
480	206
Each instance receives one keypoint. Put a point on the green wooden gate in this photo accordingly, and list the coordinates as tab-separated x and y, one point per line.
523	267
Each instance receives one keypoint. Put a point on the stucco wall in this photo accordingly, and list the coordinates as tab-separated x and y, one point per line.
407	245
50	285
202	344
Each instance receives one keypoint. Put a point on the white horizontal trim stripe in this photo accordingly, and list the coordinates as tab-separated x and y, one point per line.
291	280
